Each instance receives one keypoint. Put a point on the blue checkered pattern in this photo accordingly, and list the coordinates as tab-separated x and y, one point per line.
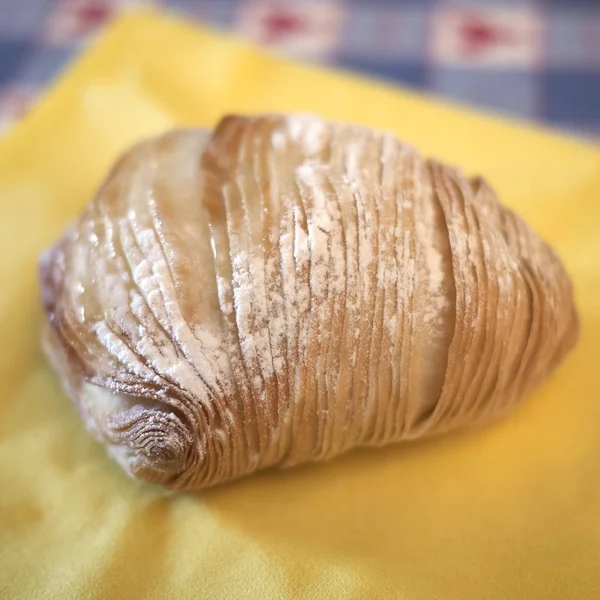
534	59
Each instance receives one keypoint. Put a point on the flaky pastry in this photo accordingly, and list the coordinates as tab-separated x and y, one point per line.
283	289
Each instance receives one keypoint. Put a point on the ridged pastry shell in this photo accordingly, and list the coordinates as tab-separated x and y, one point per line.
284	289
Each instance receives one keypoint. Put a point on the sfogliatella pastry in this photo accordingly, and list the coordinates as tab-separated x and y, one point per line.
283	289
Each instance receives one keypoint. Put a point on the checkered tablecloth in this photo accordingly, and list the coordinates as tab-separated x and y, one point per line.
535	59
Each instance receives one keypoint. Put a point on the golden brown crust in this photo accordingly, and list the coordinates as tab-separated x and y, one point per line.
285	289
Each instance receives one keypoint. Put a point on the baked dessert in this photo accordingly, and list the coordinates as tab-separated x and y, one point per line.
283	289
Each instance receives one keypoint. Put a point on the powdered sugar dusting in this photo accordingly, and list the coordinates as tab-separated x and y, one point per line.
284	294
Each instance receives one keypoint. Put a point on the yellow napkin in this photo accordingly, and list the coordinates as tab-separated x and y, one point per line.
508	512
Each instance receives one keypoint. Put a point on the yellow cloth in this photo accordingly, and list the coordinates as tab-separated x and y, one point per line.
508	512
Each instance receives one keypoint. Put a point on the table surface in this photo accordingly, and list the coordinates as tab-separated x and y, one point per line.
534	59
